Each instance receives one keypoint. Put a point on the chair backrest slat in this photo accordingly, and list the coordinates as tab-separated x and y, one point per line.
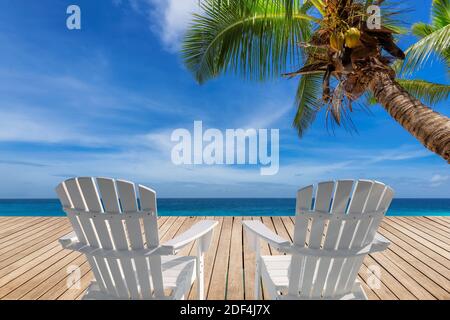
326	277
383	204
79	203
356	205
86	201
324	195
109	195
63	196
147	199
359	197
372	203
83	192
90	194
364	235
127	196
128	202
148	204
75	194
94	205
113	273
66	202
341	197
340	201
303	203
110	200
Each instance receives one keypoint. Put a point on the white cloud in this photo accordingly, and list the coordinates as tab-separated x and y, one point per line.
19	127
266	116
437	180
170	19
399	154
158	140
167	18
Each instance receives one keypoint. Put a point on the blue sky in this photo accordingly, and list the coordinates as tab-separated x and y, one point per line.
103	101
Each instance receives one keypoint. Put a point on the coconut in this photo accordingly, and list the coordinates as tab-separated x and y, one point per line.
337	41
352	37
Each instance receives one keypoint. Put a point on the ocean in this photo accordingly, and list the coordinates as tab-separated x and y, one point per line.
224	207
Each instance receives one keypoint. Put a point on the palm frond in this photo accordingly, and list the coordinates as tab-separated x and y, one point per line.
393	16
319	5
431	93
435	39
422	30
440	13
307	101
437	42
254	39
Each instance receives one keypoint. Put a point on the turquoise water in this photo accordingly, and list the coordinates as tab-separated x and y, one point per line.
224	207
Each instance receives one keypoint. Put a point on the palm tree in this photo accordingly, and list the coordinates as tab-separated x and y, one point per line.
342	58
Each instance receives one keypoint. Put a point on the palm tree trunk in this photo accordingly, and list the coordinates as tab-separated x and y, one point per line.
431	128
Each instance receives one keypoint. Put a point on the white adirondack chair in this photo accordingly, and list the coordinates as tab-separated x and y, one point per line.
332	236
118	233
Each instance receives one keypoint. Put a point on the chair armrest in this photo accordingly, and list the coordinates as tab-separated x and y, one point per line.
379	243
68	240
258	229
197	231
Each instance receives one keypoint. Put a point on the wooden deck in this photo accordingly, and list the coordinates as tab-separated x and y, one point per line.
416	265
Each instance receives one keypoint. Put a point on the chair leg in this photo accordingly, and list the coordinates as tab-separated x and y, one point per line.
200	275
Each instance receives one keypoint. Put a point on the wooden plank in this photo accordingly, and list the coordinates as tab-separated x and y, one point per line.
12	229
412	280
29	231
416	265
280	228
381	291
435	225
249	268
416	243
173	230
39	245
445	221
431	231
235	286
29	236
411	253
13	222
391	282
43	279
418	279
371	295
60	282
425	241
26	272
423	234
10	223
75	293
216	290
7	219
17	256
